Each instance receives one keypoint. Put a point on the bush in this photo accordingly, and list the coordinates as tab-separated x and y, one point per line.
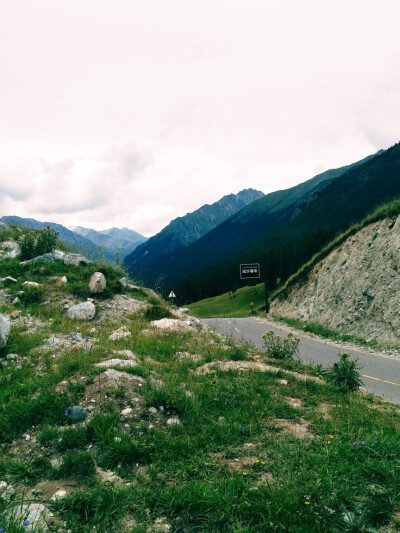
38	243
281	348
344	374
157	312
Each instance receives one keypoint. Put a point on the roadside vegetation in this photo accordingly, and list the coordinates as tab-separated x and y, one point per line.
201	435
231	304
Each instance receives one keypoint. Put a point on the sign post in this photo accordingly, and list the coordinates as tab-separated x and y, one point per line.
250	270
172	295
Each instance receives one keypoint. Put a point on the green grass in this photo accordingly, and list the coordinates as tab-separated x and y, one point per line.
229	466
233	304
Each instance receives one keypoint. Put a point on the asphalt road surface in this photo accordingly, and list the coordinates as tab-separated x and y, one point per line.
380	374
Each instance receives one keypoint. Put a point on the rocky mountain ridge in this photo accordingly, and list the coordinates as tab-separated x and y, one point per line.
185	230
355	289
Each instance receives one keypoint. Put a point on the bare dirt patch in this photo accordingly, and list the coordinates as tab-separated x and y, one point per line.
299	430
294	402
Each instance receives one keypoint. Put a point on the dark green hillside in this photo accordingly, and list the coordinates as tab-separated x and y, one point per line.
144	261
311	225
247	226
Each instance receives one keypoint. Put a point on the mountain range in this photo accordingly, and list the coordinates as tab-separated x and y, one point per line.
85	240
266	231
146	261
114	240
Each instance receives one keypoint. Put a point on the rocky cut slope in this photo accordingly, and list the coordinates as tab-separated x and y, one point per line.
355	289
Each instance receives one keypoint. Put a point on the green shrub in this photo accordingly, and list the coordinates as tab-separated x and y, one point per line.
77	464
157	312
38	243
32	295
281	348
344	374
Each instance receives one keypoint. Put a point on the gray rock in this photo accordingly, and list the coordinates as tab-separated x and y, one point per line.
97	283
33	516
59	495
64	279
117	362
31	284
75	259
77	414
126	353
45	258
8	279
12	356
173	421
6	491
10	250
82	311
120	333
16	301
128	285
5	327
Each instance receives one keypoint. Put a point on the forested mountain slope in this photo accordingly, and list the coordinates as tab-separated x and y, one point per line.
291	235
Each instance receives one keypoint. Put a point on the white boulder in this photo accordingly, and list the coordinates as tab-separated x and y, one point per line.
97	282
82	311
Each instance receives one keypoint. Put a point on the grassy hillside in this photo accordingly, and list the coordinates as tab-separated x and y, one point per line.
199	435
233	304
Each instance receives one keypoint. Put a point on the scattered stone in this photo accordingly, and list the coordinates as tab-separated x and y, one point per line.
12	357
173	421
82	311
176	323
16	301
59	495
117	362
34	516
9	279
15	314
126	353
5	327
182	312
153	410
120	333
77	414
64	280
6	491
127	411
75	259
97	283
9	250
31	284
45	258
128	285
55	463
283	382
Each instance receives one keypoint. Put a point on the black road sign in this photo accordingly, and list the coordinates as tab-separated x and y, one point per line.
251	270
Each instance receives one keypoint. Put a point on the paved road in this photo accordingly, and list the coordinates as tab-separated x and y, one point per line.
380	374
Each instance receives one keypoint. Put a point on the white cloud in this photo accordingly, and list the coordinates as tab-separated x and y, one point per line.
134	112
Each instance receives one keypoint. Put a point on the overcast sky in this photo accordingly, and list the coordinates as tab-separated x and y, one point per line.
133	112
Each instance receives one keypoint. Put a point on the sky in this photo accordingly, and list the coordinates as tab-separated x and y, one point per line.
130	113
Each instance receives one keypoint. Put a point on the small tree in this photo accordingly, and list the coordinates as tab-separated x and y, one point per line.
27	247
281	348
344	373
41	242
46	240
